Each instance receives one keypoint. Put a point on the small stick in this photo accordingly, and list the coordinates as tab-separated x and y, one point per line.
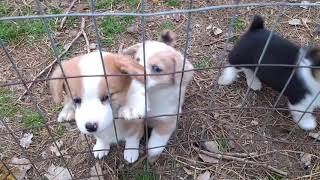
221	156
67	12
83	24
120	50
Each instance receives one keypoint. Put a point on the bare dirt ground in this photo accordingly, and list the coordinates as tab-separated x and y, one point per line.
253	130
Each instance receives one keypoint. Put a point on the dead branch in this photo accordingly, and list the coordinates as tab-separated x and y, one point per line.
232	158
67	12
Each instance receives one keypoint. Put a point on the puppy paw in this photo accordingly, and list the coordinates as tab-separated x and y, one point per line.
256	85
229	74
132	112
98	151
66	115
308	123
131	155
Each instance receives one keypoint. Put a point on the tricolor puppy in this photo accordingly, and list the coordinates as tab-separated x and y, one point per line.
91	107
304	85
163	90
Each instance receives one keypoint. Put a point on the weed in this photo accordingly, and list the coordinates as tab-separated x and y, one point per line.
204	63
58	130
173	3
234	39
32	119
274	177
166	25
239	24
112	26
55	11
223	144
104	4
72	22
143	175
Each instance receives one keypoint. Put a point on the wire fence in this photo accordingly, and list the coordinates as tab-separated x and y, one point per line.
210	109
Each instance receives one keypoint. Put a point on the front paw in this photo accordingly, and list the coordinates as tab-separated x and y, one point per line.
99	150
131	155
132	112
66	115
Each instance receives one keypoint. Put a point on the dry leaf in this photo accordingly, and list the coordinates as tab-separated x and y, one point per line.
217	31
25	141
306	3
94	173
212	146
255	123
208	159
305	21
295	22
55	149
20	171
204	176
315	135
92	46
306	159
209	27
57	173
189	172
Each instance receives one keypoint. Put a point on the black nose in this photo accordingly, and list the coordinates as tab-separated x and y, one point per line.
91	127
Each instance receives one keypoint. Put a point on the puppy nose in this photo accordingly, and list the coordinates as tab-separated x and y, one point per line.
91	127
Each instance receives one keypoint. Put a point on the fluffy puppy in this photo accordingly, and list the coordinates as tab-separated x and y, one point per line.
90	106
302	88
163	90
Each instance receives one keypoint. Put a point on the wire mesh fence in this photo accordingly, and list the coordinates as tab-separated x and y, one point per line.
252	130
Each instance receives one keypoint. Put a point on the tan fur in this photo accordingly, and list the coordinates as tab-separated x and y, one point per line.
57	86
163	127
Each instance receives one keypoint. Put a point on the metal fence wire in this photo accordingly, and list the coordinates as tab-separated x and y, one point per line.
247	151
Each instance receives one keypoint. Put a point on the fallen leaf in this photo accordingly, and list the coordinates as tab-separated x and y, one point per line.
92	46
204	176
176	17
315	135
94	173
217	31
295	22
55	149
25	141
57	173
189	172
305	21
132	29
254	122
208	159
20	167
212	146
209	27
306	3
306	159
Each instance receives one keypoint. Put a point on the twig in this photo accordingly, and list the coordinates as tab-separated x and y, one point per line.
83	24
67	12
120	48
221	156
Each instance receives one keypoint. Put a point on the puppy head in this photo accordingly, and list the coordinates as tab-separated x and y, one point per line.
92	105
314	56
161	58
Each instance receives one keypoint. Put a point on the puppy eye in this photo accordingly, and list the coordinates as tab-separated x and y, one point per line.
156	68
138	59
77	101
104	98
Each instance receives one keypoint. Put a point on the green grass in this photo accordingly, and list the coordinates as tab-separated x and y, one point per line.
204	63
142	175
5	10
223	144
7	108
58	130
239	24
72	22
166	25
274	177
173	3
113	26
234	39
55	11
104	4
32	119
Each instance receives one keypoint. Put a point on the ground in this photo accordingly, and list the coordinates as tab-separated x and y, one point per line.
254	129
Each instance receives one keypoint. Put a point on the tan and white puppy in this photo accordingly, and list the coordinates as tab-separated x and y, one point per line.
90	106
163	90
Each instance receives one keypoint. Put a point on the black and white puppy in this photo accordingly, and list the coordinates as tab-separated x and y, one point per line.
302	88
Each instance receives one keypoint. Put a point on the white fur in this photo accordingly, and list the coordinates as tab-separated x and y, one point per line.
305	121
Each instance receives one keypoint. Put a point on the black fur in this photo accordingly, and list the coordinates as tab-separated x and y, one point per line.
280	51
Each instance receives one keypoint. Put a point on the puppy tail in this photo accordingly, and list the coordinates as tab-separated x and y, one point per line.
168	37
257	23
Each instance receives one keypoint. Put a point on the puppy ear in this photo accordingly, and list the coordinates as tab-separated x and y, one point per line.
168	37
56	85
177	60
132	50
129	66
314	56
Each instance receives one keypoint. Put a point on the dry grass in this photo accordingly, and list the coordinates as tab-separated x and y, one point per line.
255	130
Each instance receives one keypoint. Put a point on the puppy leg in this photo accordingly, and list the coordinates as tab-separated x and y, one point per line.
160	136
101	148
67	112
307	121
131	152
256	84
134	107
229	74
